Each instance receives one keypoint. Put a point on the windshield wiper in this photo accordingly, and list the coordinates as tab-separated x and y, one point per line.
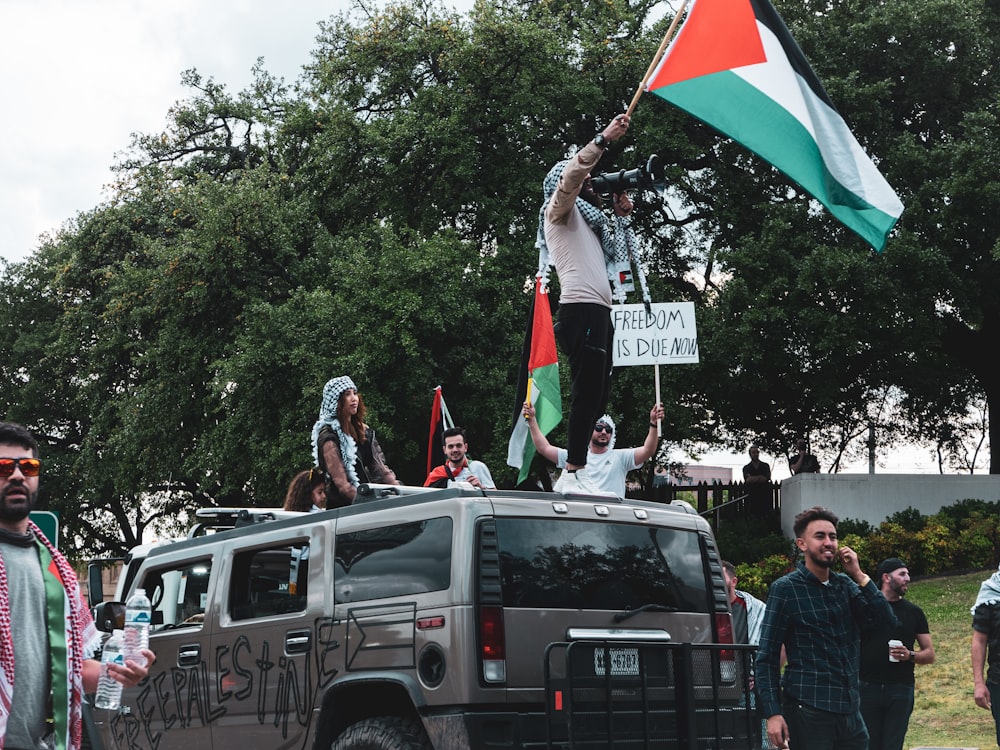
626	614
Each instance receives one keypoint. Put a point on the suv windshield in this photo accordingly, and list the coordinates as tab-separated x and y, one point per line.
600	565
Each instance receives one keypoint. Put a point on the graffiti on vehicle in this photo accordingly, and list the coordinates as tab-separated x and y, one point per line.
283	687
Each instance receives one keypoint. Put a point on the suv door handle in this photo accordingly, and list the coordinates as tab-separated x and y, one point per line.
297	642
189	655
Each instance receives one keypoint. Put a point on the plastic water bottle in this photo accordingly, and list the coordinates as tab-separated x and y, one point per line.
109	690
138	615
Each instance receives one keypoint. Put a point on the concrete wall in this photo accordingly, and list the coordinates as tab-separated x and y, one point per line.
875	497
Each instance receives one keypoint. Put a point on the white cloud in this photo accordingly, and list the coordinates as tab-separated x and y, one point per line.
82	75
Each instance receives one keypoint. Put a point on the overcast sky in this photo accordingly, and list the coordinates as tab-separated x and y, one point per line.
80	76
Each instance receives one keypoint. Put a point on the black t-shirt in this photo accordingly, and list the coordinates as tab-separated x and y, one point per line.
875	664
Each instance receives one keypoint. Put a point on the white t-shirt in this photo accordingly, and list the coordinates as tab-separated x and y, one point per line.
607	470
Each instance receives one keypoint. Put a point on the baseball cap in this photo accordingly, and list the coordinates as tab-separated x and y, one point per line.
889	565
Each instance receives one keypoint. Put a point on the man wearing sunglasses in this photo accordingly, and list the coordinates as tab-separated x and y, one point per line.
607	466
51	664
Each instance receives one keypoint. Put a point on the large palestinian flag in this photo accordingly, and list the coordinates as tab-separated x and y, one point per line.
538	381
734	65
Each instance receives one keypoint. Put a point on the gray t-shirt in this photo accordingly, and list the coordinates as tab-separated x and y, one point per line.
26	726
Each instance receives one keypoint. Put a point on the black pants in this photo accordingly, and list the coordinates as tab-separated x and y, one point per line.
886	709
585	335
813	729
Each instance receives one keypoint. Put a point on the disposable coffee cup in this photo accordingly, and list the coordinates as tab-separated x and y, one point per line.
894	644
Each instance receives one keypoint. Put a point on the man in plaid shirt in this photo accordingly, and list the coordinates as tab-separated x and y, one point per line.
818	616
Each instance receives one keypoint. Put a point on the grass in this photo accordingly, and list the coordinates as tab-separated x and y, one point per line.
944	713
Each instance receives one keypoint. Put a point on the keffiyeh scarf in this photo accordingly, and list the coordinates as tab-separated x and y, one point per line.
328	418
617	239
989	591
72	638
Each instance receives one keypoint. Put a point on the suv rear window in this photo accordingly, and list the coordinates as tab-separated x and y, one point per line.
599	565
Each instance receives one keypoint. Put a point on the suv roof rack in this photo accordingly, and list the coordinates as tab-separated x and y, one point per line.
220	519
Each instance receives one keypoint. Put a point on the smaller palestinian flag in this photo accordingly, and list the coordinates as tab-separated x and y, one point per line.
734	65
538	382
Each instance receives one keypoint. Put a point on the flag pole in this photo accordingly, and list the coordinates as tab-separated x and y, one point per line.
656	58
659	422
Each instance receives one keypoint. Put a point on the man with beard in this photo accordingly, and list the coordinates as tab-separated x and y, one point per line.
818	616
45	648
887	671
459	467
576	237
607	466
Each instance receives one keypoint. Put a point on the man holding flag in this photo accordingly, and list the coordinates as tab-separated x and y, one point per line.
575	236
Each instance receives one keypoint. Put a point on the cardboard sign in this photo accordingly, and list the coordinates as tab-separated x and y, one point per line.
665	336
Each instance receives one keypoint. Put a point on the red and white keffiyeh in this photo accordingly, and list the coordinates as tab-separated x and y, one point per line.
81	638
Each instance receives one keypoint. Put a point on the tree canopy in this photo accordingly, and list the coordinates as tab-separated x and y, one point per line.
377	218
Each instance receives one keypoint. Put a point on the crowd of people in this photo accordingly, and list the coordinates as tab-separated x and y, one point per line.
837	651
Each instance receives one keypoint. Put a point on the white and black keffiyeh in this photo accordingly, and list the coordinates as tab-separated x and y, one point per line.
617	239
328	418
989	591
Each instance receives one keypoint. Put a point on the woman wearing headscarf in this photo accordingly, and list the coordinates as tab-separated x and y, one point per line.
345	447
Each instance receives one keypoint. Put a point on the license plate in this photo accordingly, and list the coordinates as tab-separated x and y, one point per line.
621	661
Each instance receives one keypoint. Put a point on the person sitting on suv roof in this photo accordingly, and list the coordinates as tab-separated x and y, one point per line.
459	467
606	465
306	492
345	447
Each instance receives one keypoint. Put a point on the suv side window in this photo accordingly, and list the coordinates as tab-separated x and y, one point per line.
178	594
398	560
269	581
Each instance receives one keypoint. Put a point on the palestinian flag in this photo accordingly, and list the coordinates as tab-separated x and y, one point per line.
734	65
538	381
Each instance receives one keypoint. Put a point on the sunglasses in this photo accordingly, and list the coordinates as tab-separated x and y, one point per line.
600	427
30	467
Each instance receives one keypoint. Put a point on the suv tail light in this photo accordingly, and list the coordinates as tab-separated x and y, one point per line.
492	644
724	633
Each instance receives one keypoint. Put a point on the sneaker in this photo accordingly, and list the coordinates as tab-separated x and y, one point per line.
578	483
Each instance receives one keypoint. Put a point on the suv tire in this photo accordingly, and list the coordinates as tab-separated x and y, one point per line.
383	733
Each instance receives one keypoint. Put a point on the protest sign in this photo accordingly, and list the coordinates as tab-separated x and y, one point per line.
665	335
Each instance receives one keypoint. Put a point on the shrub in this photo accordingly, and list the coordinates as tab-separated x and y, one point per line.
854	526
757	578
748	541
959	536
910	519
958	514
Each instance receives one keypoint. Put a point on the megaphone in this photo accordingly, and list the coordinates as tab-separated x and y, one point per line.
646	177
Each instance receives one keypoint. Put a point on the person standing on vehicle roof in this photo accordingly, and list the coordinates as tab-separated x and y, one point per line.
577	238
607	466
47	635
345	447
